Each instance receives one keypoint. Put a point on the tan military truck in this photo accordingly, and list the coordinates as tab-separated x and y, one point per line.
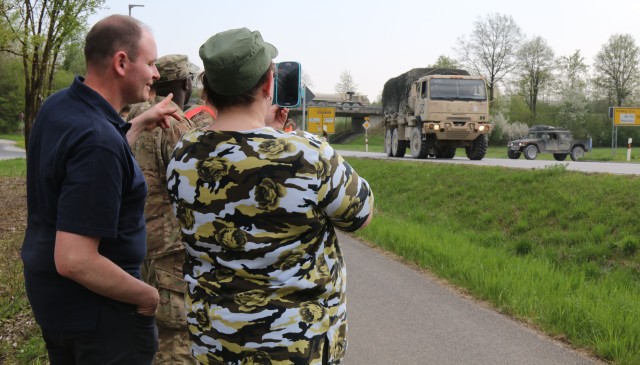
434	111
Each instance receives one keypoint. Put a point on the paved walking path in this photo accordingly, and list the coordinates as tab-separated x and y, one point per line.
398	315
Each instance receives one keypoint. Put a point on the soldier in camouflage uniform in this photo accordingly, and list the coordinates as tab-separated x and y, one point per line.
200	113
162	267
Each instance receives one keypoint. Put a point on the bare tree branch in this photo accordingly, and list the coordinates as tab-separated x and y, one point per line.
491	49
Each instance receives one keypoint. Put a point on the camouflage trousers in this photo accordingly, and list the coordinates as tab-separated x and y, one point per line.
165	273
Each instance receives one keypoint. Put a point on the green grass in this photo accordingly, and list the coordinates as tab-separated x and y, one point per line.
13	168
16	167
554	248
14	137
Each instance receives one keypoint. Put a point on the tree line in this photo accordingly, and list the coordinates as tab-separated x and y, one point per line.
529	84
41	43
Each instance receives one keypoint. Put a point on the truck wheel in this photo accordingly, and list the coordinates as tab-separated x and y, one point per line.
417	145
387	142
560	156
478	148
514	155
577	153
531	152
446	152
398	147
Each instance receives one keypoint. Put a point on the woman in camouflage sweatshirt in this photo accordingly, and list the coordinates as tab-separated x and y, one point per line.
258	209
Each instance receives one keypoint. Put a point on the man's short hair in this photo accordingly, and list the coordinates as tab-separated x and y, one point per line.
110	35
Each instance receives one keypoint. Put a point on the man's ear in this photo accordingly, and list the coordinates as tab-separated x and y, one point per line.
119	62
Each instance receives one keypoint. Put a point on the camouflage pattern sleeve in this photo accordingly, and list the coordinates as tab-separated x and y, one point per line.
345	197
172	135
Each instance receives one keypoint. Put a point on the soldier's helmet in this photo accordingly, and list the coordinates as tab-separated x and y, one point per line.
173	67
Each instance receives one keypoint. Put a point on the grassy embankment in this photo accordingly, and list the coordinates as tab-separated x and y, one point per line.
555	248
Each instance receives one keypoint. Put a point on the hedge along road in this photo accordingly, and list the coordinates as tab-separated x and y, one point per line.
399	315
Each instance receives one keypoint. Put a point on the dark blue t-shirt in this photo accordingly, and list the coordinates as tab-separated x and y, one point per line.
82	179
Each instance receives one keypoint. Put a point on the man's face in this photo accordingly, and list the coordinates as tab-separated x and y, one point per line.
142	72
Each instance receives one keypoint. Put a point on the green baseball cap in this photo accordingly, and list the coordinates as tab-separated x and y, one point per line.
173	67
234	60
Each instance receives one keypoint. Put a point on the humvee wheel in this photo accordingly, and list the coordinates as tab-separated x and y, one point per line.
398	147
514	155
530	152
560	156
577	153
387	142
417	146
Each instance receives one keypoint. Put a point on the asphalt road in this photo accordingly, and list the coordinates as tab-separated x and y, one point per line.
522	163
399	315
9	151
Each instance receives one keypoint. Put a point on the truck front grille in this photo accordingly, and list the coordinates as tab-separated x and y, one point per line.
455	134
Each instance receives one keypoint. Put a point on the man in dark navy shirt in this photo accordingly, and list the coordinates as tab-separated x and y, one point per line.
85	237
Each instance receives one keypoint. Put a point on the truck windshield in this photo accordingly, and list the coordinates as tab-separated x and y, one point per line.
458	89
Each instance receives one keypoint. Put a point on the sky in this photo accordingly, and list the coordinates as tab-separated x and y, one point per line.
375	40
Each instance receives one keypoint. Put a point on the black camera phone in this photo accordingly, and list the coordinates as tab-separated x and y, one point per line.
287	88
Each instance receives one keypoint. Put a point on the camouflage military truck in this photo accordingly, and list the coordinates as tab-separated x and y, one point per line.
548	139
435	111
345	101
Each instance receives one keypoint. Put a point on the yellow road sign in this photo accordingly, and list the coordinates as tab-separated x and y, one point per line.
322	119
626	116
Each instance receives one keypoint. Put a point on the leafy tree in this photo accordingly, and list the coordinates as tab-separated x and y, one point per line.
11	93
573	71
537	61
491	49
37	32
503	131
616	67
518	109
346	83
445	62
73	61
571	86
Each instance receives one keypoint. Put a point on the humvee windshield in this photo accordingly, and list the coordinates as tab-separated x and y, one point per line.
457	89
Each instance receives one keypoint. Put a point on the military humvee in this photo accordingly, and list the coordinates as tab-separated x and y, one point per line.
548	139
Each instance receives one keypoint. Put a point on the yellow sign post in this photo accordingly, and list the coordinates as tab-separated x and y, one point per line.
626	116
322	119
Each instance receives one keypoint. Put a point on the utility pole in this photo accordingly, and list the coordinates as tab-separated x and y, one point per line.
133	6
